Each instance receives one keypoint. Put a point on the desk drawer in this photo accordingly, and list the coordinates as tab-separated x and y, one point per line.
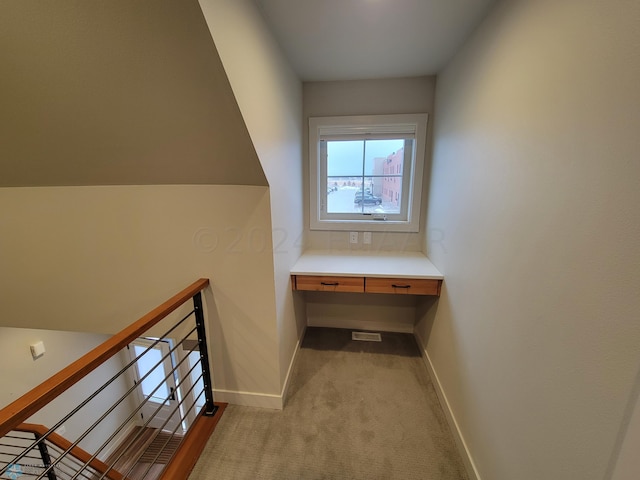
329	284
406	286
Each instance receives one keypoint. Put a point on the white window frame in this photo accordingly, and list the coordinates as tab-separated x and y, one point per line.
368	126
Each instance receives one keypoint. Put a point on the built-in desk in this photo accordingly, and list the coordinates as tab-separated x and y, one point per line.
400	273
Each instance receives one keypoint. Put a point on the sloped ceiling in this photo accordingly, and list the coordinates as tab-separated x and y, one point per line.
116	92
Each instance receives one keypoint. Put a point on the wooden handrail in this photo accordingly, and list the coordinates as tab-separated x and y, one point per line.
82	455
21	409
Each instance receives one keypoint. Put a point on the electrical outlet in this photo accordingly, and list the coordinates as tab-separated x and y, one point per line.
353	237
366	238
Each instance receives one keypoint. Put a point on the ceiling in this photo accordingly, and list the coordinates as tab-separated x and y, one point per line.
364	39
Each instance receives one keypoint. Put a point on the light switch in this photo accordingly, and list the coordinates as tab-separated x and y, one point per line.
366	238
37	350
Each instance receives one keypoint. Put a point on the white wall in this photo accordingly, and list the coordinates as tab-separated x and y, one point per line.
20	373
98	258
535	192
269	95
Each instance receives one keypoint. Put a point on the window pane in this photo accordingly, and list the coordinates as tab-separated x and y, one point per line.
378	192
391	193
344	157
341	192
378	153
345	195
151	362
367	199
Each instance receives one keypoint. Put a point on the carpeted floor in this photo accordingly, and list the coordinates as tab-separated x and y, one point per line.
355	410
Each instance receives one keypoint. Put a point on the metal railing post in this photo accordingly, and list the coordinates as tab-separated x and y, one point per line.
209	407
46	459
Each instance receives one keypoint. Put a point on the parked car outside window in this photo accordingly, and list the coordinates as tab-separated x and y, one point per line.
367	199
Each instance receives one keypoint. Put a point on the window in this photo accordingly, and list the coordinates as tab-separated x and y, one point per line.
366	172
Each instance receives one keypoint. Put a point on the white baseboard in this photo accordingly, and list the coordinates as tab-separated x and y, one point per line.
469	464
294	357
357	324
260	400
248	399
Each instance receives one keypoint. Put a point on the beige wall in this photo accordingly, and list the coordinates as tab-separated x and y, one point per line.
367	97
20	373
269	95
117	92
535	191
97	258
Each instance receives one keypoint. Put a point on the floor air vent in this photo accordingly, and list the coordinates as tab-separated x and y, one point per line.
366	336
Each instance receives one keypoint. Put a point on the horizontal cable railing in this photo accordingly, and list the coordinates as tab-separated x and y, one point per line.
54	446
131	425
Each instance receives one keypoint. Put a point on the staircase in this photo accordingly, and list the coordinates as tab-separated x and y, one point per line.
168	412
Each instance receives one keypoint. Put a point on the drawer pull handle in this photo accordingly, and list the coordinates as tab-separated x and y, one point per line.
329	284
400	286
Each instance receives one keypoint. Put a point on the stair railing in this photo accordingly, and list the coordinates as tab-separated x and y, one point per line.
40	452
52	447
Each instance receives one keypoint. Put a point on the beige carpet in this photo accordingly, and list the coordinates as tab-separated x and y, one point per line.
355	410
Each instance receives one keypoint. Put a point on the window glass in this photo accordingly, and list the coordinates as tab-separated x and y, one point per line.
365	176
152	362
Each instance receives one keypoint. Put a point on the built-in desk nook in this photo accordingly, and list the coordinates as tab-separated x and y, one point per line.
363	290
399	273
